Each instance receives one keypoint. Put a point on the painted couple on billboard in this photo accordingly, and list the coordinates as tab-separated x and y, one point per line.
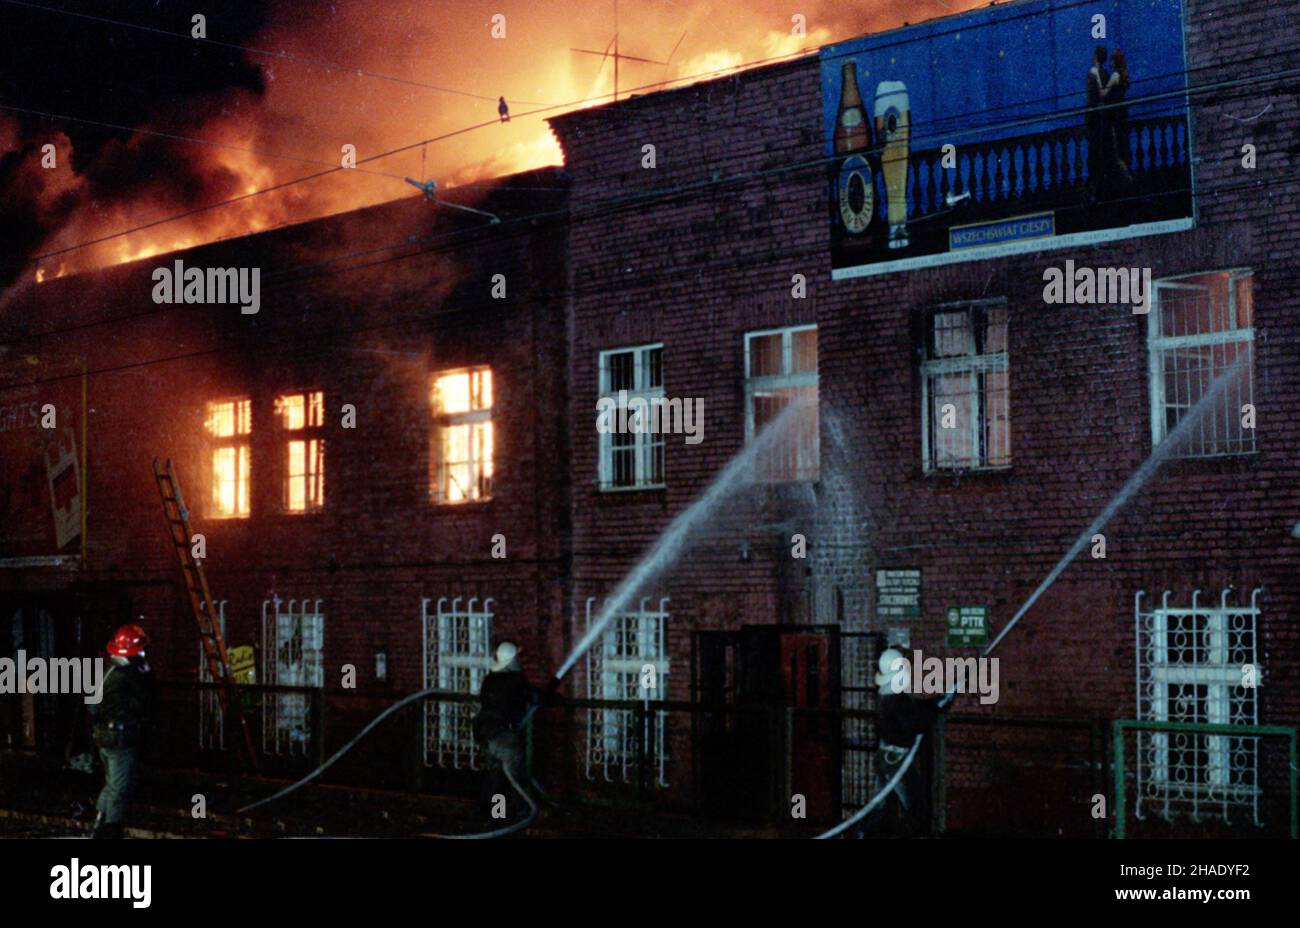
1006	130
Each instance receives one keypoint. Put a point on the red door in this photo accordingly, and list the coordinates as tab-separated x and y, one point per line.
806	669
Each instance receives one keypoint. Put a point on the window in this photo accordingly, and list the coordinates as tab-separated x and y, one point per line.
229	424
304	473
457	656
781	371
293	654
632	459
461	458
1190	661
965	423
615	668
1201	328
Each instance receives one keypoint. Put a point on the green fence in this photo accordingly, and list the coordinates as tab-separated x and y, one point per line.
1172	767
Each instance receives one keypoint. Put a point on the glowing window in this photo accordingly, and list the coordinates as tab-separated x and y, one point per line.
461	453
304	473
229	424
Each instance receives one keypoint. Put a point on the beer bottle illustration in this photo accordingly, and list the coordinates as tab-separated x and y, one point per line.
856	185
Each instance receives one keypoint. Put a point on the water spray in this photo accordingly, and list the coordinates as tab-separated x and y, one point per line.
1144	473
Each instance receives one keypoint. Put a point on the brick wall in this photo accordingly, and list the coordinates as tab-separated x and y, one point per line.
703	248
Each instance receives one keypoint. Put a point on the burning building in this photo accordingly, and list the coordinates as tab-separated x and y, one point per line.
839	263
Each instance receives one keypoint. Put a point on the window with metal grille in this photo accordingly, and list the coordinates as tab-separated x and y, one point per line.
780	371
1192	666
293	654
632	459
304	469
457	656
1200	329
461	452
229	424
617	747
965	419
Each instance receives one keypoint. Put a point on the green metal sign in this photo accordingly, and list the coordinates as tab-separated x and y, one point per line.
968	626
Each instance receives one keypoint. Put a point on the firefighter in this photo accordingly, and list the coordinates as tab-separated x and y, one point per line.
505	699
903	716
117	723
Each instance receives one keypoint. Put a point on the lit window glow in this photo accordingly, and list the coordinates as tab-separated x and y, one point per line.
229	423
462	446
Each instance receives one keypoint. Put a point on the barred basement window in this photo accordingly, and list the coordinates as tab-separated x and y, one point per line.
293	654
229	424
632	459
304	474
461	454
781	370
1201	327
965	422
615	668
457	656
1190	664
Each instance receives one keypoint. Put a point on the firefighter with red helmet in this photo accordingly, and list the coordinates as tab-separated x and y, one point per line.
117	723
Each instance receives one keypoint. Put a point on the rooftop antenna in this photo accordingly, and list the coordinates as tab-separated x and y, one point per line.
429	186
617	56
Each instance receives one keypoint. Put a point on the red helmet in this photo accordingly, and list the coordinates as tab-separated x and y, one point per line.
130	641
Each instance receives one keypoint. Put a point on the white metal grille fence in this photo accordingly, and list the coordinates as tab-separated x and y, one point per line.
212	726
457	656
965	401
614	671
1197	664
293	654
1202	326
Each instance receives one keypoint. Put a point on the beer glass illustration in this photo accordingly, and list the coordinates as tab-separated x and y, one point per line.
893	115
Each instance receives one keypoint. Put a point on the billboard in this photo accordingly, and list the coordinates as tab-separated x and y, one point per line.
1032	125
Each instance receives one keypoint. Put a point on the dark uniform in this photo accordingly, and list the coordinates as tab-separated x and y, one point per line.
117	724
902	718
505	698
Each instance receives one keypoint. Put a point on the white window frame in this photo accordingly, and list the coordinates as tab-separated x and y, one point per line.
448	726
477	466
310	437
612	743
242	445
293	654
994	362
806	471
1158	344
647	444
1230	776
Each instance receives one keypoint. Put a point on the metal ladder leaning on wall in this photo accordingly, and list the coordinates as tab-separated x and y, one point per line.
196	584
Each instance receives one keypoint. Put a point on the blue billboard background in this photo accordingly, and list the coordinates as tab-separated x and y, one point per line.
1007	87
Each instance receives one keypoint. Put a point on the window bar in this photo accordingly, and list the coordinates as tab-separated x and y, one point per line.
591	734
425	664
1161	739
661	680
1195	754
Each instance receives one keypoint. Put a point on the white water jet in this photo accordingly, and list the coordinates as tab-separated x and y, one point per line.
669	544
1134	483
